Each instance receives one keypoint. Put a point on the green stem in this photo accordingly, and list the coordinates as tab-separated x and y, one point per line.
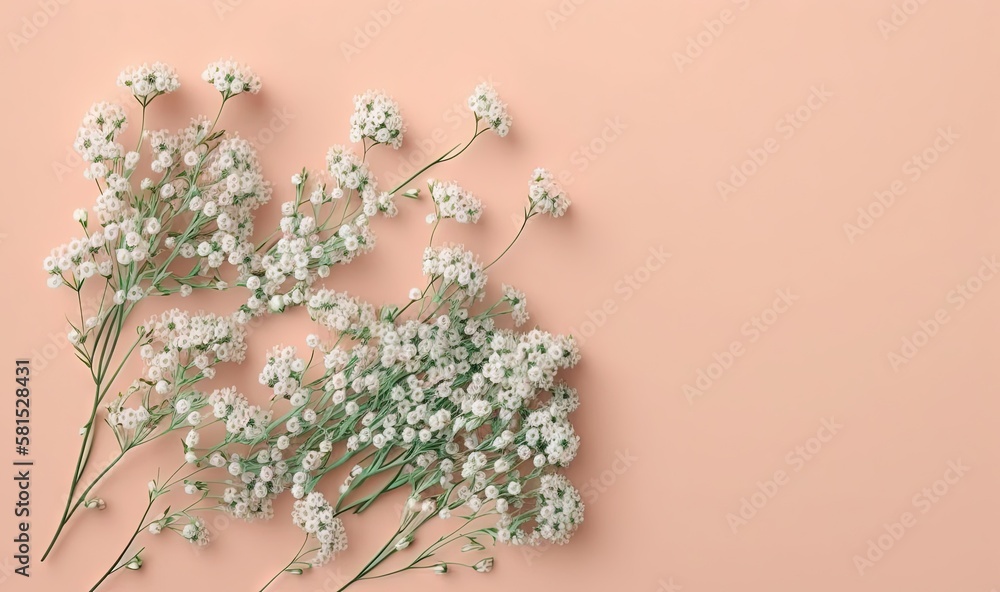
516	236
80	462
298	556
116	565
443	158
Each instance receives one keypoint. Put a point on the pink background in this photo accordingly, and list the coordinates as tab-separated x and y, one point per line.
661	471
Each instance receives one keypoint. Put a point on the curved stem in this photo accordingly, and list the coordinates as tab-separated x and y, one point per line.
298	556
516	236
217	116
443	158
80	464
142	127
116	566
71	508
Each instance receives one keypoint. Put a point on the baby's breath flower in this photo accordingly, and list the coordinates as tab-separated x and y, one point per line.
315	517
376	117
451	201
196	532
95	139
486	104
147	82
457	266
352	174
340	312
466	415
244	422
545	195
231	78
559	512
484	565
95	504
518	304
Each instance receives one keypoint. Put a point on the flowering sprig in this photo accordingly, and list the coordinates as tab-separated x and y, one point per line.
545	195
467	415
376	119
328	222
231	78
316	234
180	351
148	82
486	104
170	233
451	201
436	396
181	521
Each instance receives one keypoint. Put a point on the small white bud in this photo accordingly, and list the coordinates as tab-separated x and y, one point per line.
95	504
485	565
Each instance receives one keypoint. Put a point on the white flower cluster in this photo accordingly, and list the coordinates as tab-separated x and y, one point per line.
261	478
133	425
178	339
255	500
545	194
231	78
486	104
79	259
524	362
468	416
165	148
376	117
313	241
216	178
352	174
95	139
244	422
201	207
339	312
451	201
475	412
179	351
283	371
315	516
458	267
304	253
559	511
128	418
233	179
234	189
196	532
518	304
147	82
168	148
552	434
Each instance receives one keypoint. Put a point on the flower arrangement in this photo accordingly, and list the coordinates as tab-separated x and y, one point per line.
437	396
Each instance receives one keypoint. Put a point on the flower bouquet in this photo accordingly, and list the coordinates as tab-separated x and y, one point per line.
442	397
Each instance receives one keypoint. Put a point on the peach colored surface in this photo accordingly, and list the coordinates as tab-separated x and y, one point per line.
801	397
